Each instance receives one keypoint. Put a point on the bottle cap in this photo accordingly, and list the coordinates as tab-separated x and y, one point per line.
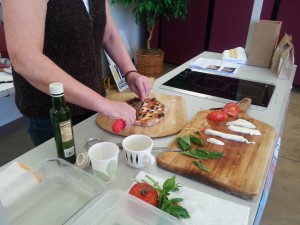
56	89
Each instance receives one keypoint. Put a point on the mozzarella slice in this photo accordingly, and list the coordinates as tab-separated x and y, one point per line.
228	136
215	141
244	130
241	123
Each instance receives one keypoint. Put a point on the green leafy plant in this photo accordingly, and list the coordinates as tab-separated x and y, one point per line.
165	203
153	10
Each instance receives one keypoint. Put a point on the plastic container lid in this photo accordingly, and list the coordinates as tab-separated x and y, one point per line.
118	207
65	190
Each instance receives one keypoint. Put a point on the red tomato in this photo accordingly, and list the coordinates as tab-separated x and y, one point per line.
217	116
145	192
232	109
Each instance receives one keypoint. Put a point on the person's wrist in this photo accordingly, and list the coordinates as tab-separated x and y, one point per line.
129	72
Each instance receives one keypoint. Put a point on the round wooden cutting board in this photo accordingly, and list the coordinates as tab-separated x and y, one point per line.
174	122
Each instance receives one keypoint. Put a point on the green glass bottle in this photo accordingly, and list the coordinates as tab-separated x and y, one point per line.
62	125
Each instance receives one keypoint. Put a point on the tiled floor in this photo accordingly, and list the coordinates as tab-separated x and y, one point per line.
283	205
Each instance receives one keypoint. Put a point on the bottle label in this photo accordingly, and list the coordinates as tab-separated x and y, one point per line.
69	152
66	131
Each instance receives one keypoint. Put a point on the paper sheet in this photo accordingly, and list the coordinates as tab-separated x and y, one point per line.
206	209
215	66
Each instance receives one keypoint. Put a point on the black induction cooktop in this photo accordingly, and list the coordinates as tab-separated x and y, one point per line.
221	87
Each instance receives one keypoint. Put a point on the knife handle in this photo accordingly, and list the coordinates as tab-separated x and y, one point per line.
118	126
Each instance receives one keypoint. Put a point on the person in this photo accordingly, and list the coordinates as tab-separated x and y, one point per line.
60	41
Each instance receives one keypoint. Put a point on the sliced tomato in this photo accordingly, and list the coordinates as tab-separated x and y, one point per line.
145	192
232	109
217	116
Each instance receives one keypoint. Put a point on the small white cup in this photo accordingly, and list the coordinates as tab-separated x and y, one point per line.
137	149
104	159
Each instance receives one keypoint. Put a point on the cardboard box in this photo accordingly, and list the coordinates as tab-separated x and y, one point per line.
263	43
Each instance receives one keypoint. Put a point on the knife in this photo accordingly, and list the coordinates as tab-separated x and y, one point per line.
158	148
119	124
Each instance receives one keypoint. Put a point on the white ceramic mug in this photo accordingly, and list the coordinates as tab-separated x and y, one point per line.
104	159
137	149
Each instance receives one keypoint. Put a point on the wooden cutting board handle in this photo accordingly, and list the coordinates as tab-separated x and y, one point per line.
245	104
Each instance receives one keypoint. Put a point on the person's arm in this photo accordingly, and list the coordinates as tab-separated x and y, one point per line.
24	23
115	47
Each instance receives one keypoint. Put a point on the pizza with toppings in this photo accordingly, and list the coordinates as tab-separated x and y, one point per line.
151	112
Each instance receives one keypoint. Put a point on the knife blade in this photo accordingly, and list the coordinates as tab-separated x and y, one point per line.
157	148
120	124
138	105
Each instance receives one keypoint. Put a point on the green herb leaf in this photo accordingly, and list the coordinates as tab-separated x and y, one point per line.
186	139
196	140
170	185
198	153
201	166
216	155
176	200
183	144
170	206
177	211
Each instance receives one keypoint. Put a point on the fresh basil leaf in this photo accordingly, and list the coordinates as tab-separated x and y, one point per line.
186	139
196	154
176	200
169	184
183	144
202	150
216	155
177	211
196	140
201	166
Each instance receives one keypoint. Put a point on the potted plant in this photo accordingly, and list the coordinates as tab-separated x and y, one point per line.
150	60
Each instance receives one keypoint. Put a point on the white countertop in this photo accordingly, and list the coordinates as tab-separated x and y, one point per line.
274	116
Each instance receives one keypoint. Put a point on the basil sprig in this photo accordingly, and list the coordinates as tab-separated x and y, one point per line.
186	141
201	153
165	203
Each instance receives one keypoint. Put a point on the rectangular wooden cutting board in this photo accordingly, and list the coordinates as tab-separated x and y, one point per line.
174	122
243	169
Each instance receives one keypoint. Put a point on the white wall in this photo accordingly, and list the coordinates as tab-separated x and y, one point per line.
125	20
136	34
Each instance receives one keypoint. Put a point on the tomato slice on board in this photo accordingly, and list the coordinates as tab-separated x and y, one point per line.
217	116
232	109
145	192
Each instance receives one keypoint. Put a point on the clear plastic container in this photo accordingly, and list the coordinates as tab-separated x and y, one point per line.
63	191
119	208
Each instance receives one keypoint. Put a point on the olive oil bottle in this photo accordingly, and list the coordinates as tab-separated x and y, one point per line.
62	125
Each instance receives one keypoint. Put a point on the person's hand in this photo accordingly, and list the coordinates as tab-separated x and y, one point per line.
139	84
120	110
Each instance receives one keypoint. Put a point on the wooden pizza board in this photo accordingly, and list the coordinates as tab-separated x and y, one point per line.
174	122
243	169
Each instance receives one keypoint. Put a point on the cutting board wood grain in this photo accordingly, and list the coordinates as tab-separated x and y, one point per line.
243	169
174	122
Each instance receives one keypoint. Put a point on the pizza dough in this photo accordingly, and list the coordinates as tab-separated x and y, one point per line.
151	113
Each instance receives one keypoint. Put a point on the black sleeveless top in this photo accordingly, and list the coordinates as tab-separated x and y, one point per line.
73	41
